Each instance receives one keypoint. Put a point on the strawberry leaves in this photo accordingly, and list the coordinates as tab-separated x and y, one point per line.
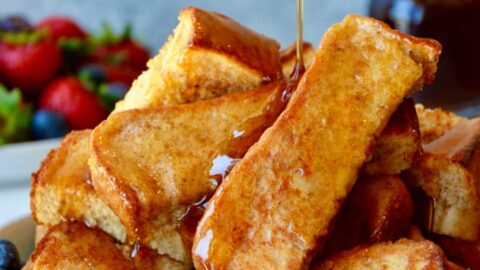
15	116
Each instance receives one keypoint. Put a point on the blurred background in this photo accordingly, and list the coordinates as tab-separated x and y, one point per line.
154	20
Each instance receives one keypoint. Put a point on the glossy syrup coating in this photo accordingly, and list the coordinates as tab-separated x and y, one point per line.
379	209
62	188
280	199
399	146
401	255
73	245
152	165
208	55
255	50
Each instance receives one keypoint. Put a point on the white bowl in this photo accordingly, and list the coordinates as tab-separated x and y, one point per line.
22	234
19	160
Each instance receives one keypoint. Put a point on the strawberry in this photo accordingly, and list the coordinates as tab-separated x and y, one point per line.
61	27
28	61
121	74
94	74
127	53
121	50
69	97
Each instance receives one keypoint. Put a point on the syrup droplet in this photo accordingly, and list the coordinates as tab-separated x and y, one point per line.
89	182
299	171
203	248
238	133
189	222
135	250
221	165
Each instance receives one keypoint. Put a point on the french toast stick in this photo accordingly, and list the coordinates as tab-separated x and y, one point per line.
207	56
62	189
403	254
277	204
399	145
448	175
288	57
435	122
152	165
75	246
379	209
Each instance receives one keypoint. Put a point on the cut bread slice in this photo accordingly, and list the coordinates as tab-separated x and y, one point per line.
288	57
75	246
435	122
62	189
207	56
277	204
399	145
379	209
445	174
403	254
151	165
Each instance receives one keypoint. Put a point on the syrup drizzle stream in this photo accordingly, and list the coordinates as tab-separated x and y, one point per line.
244	136
299	65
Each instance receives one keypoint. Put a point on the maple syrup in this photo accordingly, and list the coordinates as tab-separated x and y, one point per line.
244	136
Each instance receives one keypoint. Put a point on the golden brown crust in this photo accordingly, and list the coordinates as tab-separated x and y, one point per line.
399	145
449	174
280	199
75	246
379	209
288	57
403	254
208	55
214	31
74	176
458	143
62	188
435	122
150	165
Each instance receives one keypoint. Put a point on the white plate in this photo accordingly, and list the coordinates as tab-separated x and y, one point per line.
19	160
22	234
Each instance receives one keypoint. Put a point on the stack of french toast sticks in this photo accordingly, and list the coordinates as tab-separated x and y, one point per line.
214	160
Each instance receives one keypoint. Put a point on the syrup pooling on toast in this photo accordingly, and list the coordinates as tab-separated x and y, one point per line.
250	131
244	136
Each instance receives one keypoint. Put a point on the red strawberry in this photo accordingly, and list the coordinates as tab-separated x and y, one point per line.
70	98
120	50
126	53
29	66
121	74
61	26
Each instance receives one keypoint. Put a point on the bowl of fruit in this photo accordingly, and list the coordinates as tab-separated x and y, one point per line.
56	77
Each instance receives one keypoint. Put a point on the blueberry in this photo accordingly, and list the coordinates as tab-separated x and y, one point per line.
111	93
9	258
14	23
117	90
93	73
48	124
